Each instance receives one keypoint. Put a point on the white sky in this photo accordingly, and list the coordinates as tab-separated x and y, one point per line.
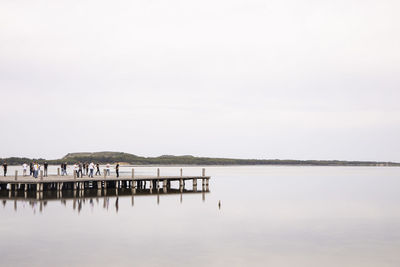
247	79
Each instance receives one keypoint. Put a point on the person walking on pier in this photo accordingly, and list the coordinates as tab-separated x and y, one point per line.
45	165
25	168
117	170
5	168
108	169
91	169
62	169
98	169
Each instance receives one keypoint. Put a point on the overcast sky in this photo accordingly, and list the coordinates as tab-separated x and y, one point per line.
282	79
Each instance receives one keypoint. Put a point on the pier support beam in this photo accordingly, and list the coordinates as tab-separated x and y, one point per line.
134	187
195	185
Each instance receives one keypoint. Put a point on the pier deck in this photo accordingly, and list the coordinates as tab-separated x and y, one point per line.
59	183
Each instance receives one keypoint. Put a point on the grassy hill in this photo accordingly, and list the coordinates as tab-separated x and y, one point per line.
113	157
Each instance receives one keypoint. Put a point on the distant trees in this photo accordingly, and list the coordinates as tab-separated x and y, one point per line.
112	157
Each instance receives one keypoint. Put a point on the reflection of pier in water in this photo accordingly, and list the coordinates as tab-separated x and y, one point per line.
91	196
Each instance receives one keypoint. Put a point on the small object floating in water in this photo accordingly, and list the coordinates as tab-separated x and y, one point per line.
219	204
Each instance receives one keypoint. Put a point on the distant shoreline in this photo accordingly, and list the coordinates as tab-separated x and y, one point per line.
187	160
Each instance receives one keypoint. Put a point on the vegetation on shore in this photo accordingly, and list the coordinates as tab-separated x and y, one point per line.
113	157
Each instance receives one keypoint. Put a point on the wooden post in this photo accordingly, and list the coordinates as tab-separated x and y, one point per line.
41	175
74	174
204	172
158	172
99	185
58	171
105	173
181	183
133	173
181	172
16	175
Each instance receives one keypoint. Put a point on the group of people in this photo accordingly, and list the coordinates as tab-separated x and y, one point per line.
80	169
34	169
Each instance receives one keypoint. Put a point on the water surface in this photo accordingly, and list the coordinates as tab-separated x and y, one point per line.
269	216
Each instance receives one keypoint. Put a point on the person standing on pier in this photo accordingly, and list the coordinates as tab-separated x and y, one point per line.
80	169
65	168
98	169
91	169
25	168
87	168
108	169
76	170
5	168
45	165
30	168
117	169
36	168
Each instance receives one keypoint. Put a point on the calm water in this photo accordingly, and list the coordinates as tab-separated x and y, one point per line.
270	216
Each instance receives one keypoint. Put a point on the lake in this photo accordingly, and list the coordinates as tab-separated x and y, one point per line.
269	216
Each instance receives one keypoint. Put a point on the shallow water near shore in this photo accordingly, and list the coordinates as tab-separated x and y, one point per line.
269	215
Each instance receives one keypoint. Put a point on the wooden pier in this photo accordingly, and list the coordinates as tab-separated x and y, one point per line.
134	182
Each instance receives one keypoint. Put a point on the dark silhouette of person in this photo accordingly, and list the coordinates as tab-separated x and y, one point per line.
30	169
45	165
117	169
5	168
98	169
65	168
